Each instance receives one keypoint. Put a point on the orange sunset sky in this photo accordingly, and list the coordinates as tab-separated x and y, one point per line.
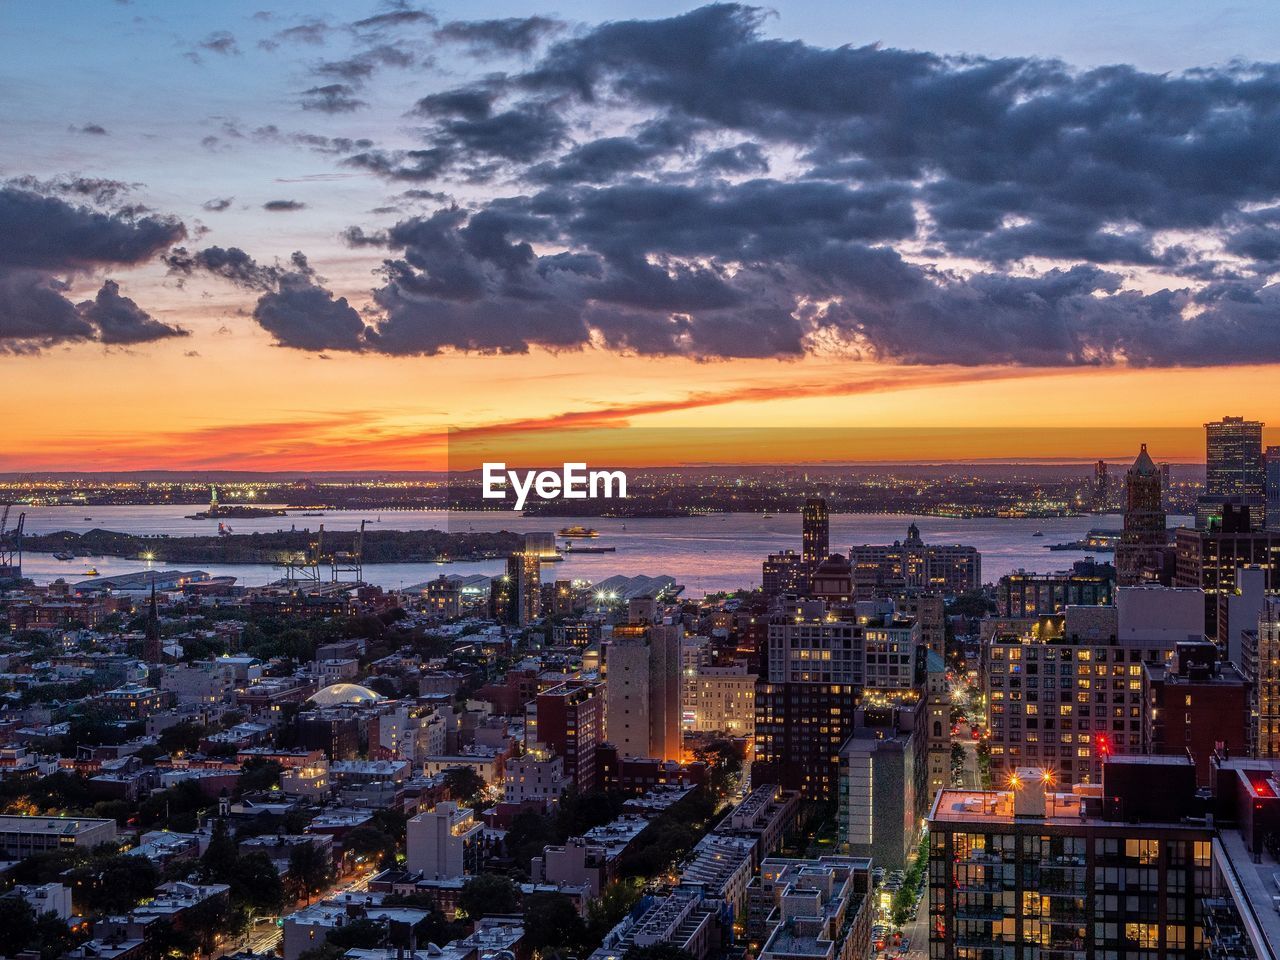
342	236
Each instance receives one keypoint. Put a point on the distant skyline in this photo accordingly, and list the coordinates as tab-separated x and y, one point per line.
307	237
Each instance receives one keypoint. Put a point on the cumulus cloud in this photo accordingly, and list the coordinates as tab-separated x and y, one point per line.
293	304
772	197
47	241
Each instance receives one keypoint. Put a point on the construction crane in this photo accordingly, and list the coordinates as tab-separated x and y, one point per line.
11	545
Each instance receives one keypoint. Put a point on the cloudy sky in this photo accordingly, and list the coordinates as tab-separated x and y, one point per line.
317	235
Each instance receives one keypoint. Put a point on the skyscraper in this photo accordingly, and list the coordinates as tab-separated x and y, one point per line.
1140	551
524	569
816	533
1273	488
1101	485
1234	472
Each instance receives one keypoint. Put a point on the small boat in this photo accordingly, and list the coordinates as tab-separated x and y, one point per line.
63	555
92	572
768	516
88	518
1038	533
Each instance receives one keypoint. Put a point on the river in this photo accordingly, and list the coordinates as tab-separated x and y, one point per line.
706	554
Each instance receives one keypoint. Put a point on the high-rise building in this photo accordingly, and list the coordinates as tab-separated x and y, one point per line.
1209	559
783	573
815	533
814	676
1273	488
569	719
1101	485
642	674
1234	470
1031	872
1140	552
929	610
884	781
937	721
1064	691
1261	667
524	570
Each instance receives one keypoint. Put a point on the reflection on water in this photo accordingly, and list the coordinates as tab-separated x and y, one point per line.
718	552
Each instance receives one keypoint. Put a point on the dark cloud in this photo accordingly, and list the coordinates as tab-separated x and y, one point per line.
331	98
303	314
491	37
46	241
93	129
691	186
283	206
121	321
217	204
293	304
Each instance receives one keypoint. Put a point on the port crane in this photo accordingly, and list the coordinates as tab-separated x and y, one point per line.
11	545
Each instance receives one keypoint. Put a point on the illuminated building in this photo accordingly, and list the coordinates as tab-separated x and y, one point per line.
937	720
1272	458
805	704
1043	594
1028	871
884	784
22	836
1261	667
723	700
783	573
569	720
1234	471
913	564
443	843
642	689
815	542
1140	552
523	585
1209	559
1065	691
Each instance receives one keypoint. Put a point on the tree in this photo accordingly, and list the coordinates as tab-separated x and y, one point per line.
259	774
551	922
607	910
463	783
256	884
17	924
488	894
310	870
218	862
368	842
658	951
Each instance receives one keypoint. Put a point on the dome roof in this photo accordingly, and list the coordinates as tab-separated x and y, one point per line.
337	693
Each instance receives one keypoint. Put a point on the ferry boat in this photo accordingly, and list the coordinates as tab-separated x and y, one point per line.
577	531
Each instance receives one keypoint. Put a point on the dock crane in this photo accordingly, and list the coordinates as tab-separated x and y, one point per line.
11	545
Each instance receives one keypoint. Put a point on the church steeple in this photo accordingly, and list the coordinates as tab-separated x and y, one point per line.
153	650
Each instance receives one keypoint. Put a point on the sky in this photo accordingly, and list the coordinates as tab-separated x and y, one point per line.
322	236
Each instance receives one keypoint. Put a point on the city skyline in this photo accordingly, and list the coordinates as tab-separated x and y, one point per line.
777	262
